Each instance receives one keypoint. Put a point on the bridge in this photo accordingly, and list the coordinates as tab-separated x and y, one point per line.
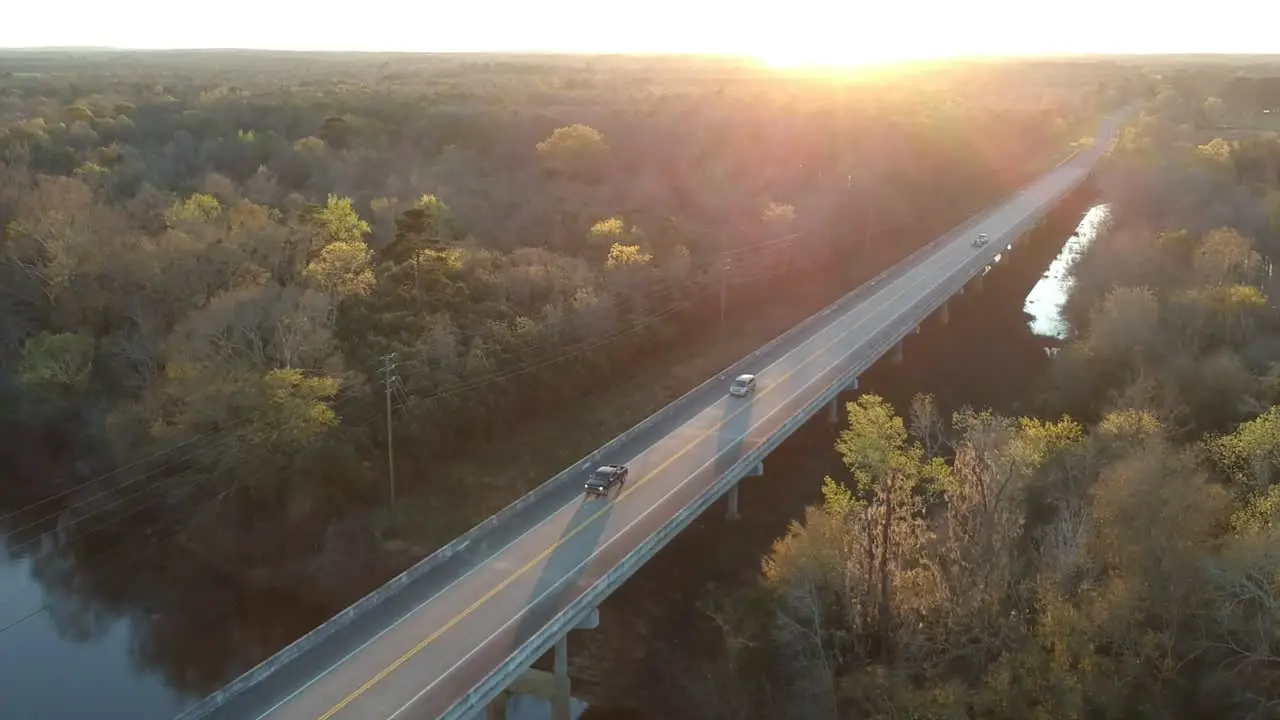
451	635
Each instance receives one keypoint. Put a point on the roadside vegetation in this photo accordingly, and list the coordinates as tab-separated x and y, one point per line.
205	258
1115	556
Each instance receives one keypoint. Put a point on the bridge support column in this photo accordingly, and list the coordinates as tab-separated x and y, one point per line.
553	687
897	353
944	313
917	330
977	282
833	407
560	698
732	497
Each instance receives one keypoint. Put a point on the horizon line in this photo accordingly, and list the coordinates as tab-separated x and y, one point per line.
606	53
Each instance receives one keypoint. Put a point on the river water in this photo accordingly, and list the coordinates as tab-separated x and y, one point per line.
70	661
70	649
1044	302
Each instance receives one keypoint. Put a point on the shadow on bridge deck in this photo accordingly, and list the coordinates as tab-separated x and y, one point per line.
566	571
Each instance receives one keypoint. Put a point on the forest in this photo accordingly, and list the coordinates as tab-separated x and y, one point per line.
210	261
1114	554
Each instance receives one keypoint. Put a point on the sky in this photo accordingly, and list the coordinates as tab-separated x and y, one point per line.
794	31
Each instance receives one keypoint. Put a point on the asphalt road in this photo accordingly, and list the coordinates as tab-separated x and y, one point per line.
419	652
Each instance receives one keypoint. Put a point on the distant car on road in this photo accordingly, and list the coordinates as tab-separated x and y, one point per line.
604	478
980	240
743	385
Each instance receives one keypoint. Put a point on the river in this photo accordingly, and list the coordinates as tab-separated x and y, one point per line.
68	651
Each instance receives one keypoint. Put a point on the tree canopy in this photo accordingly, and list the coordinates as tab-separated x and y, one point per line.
1120	564
203	263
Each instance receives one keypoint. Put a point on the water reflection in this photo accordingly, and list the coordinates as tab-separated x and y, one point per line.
71	662
131	640
1044	302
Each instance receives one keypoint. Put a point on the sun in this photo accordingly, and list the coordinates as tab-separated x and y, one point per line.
855	41
836	61
838	55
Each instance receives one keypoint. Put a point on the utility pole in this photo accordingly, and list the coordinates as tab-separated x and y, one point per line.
388	379
724	276
866	232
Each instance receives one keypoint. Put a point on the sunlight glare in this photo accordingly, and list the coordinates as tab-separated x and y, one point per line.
834	61
861	41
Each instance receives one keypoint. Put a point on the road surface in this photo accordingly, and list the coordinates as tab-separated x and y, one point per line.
420	651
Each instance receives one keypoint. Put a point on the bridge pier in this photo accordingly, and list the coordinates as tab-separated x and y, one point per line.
944	312
977	282
552	686
560	709
896	358
833	407
732	498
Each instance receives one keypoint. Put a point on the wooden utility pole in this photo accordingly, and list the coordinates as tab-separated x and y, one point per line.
724	276
866	228
388	378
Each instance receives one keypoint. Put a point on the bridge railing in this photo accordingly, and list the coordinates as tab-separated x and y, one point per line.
703	393
885	338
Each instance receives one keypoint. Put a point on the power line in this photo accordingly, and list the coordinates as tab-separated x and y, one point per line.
396	383
135	463
656	288
117	488
204	463
665	288
225	442
405	403
580	350
251	456
120	547
393	384
228	427
644	321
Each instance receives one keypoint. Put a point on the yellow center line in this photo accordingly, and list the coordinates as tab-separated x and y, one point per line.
609	505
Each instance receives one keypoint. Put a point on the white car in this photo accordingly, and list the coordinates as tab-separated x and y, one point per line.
743	385
980	240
